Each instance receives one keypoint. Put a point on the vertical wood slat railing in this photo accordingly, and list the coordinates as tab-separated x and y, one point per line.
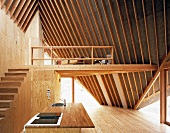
52	48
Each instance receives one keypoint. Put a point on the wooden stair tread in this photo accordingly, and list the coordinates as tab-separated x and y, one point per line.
12	78
4	101
9	87
10	84
3	109
16	72
1	118
7	96
7	93
18	69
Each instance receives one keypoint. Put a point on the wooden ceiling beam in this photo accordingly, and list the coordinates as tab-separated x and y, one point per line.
116	29
110	31
95	90
127	46
65	32
26	13
61	34
2	3
138	31
30	15
101	83
89	90
50	43
8	5
130	30
18	10
56	34
66	25
102	23
155	32
146	31
112	86
14	7
134	49
80	24
152	81
123	30
97	25
120	90
49	27
109	90
99	89
127	91
72	19
86	26
139	37
91	25
22	12
49	34
30	19
147	37
131	88
165	26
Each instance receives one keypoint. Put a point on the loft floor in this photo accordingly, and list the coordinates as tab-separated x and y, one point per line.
79	70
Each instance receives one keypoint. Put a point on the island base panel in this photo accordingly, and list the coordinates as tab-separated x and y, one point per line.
53	130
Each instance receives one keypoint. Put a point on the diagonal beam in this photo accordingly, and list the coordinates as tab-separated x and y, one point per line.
120	90
152	81
103	88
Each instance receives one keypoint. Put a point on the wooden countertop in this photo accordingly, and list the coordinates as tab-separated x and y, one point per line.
74	116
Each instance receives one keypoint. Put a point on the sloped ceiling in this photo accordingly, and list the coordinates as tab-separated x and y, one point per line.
139	31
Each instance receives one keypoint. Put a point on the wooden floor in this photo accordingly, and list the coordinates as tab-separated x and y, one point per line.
117	120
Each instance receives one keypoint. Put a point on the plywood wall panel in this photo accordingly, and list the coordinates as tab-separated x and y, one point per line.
15	45
40	82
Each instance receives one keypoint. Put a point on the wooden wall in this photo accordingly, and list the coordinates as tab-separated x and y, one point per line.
41	81
15	45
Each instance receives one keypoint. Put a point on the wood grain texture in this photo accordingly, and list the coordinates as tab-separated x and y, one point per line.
40	82
12	44
20	108
74	116
117	120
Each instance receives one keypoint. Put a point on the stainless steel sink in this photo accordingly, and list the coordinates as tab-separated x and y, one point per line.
57	104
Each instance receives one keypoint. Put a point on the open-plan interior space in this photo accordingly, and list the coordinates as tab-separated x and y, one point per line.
85	66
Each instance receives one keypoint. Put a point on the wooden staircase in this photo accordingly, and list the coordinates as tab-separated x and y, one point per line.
10	86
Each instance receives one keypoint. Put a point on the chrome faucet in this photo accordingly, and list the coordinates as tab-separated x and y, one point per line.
64	100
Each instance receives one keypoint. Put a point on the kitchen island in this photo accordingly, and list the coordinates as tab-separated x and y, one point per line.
72	118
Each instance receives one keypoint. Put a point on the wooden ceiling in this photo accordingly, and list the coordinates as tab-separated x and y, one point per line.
138	30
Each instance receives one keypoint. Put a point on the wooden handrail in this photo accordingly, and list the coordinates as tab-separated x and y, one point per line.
51	48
